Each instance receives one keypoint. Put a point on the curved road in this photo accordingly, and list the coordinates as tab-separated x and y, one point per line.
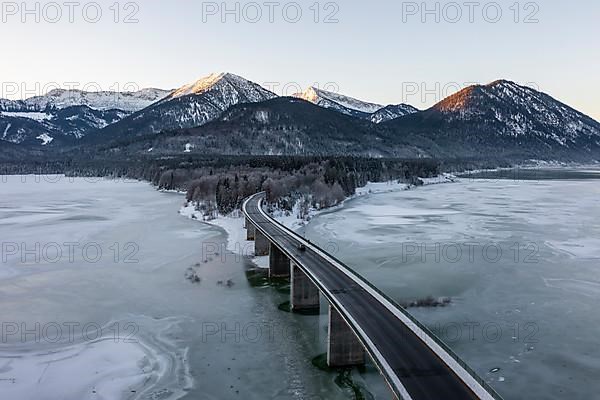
411	360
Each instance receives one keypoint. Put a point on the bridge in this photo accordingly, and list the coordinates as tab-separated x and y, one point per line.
362	320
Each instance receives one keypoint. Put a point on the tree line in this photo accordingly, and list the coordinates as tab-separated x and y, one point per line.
221	183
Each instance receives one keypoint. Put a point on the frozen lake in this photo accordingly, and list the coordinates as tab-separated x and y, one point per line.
95	303
519	261
96	300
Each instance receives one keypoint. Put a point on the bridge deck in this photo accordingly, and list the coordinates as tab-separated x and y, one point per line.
411	368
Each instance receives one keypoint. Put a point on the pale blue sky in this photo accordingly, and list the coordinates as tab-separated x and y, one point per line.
370	53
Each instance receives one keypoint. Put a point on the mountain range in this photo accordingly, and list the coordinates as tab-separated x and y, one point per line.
227	114
280	126
62	116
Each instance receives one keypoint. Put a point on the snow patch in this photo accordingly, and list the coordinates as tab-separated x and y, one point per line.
233	225
262	116
444	178
45	138
36	116
6	131
381	187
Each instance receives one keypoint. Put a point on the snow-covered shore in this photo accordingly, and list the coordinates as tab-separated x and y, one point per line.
233	224
533	165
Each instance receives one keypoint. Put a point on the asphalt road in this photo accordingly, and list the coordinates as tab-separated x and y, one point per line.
423	373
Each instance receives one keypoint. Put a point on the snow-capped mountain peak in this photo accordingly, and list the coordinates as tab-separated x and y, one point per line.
503	113
328	99
192	105
477	97
376	113
221	81
198	87
520	109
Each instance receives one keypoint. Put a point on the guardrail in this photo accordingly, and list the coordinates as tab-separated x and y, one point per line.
469	377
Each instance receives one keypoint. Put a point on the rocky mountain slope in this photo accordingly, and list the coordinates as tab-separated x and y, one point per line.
376	113
124	101
54	126
281	126
503	119
391	112
190	106
63	116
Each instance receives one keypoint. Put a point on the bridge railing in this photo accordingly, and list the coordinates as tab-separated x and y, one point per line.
428	332
401	309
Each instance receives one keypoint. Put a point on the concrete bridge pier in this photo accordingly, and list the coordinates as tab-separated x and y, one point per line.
261	244
279	263
304	294
250	230
343	347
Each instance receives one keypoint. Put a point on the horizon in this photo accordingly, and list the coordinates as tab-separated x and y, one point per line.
171	90
395	57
